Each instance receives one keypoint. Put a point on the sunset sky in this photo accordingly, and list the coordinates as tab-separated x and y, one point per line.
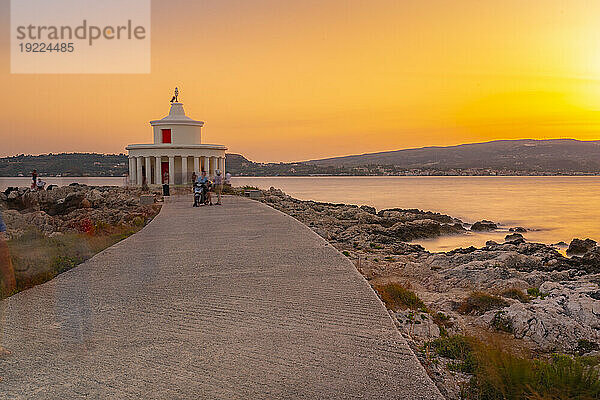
294	80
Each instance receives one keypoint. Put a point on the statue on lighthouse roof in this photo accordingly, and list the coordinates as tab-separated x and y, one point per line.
174	99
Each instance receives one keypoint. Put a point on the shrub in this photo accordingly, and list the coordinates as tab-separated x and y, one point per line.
397	297
535	292
585	346
346	253
517	295
458	348
501	323
60	264
441	319
502	375
478	303
38	258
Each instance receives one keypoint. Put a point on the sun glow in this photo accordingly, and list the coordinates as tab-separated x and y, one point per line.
280	81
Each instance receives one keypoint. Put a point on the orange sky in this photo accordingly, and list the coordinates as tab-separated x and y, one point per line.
294	80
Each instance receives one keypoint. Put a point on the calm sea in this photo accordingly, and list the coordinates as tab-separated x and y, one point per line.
553	208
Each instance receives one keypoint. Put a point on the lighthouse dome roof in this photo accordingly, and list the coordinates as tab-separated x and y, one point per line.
176	116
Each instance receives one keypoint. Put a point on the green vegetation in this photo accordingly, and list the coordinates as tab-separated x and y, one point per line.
458	348
501	323
397	297
441	319
535	292
346	253
477	303
66	164
517	295
501	375
37	258
585	346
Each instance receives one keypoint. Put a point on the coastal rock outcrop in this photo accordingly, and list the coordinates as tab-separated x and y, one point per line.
579	246
72	208
483	226
549	301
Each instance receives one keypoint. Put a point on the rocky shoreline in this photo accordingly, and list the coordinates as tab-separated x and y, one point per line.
528	295
71	209
52	231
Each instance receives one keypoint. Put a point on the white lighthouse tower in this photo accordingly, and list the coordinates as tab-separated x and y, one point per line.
177	151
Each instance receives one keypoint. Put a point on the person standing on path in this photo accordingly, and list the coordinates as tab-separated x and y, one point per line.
7	273
34	176
218	186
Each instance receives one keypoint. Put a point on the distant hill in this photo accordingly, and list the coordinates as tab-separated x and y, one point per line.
501	157
66	164
88	164
558	155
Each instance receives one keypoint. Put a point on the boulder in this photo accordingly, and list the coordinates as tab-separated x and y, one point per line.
483	226
518	229
579	246
512	237
147	199
556	323
369	209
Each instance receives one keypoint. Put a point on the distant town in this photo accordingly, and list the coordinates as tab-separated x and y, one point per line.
115	165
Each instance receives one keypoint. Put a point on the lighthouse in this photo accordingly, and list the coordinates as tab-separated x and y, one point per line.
176	153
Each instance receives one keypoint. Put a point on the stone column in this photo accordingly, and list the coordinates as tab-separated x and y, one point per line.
213	164
132	170
204	164
157	170
171	170
209	166
148	171
197	165
138	174
224	166
184	170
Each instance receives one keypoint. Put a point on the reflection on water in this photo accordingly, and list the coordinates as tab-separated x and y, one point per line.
556	208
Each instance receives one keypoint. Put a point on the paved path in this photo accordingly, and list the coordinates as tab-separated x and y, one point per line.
232	302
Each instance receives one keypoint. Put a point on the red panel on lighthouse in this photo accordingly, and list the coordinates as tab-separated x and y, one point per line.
166	135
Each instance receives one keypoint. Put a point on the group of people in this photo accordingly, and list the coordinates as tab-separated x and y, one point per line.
37	182
203	187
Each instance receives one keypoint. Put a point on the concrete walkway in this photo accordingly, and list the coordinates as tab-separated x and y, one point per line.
232	302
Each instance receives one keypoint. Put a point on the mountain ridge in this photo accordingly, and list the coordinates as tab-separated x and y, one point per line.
529	154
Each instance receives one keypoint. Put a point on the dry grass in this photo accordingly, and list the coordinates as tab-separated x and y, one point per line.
477	303
517	295
398	297
37	259
500	374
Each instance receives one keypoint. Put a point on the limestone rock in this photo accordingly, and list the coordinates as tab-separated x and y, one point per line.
579	246
483	226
